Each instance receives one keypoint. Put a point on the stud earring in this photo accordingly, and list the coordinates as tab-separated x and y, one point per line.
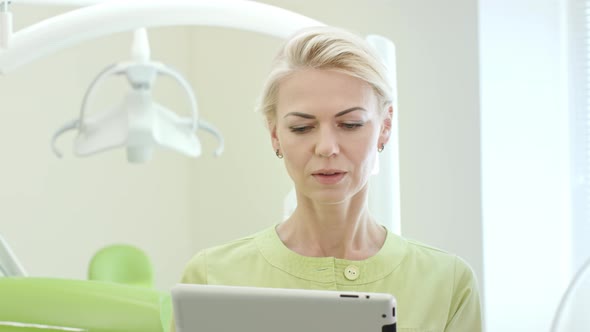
379	149
279	155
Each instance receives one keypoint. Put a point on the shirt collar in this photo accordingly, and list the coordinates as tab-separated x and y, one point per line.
330	269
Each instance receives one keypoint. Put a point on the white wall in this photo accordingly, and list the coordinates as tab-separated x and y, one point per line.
209	201
525	163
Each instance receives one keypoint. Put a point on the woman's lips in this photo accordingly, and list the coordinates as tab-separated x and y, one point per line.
329	177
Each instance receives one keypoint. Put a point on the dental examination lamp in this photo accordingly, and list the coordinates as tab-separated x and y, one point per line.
138	122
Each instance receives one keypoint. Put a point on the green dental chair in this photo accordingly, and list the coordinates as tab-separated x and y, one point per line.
44	304
122	263
111	302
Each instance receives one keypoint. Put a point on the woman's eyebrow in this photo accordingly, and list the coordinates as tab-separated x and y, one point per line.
309	116
352	109
299	114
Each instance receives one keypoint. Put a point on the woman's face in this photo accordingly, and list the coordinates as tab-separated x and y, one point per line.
328	128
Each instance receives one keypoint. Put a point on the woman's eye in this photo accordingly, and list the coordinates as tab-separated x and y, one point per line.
351	125
300	129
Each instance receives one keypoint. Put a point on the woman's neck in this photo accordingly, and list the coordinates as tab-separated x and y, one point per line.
345	230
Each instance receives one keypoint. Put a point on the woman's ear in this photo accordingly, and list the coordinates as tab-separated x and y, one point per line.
386	126
272	127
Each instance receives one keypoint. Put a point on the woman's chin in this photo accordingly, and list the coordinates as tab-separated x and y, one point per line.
329	198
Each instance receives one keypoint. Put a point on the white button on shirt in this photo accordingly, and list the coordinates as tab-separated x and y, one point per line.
351	272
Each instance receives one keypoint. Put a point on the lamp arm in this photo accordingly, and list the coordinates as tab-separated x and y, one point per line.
76	123
73	124
206	126
116	68
71	28
165	70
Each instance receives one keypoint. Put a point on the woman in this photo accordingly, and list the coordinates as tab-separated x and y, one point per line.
328	106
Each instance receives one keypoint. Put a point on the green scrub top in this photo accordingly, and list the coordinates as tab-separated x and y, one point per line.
435	291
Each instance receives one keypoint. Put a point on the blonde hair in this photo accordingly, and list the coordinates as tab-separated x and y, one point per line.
326	48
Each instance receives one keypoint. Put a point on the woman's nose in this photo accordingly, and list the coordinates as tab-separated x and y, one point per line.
327	143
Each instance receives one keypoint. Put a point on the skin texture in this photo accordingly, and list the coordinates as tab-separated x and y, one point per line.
328	128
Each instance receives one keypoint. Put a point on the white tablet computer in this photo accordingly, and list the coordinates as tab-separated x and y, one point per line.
209	308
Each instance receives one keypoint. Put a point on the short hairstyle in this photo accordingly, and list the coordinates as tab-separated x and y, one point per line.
326	48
